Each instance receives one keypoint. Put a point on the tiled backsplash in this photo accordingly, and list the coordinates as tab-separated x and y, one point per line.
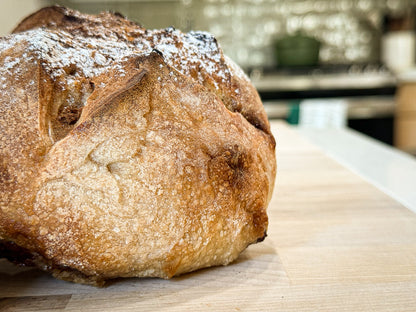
350	30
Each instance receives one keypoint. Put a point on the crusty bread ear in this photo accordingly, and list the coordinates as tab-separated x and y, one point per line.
60	17
46	17
214	70
117	161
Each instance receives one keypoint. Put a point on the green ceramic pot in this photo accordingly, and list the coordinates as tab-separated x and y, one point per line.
297	50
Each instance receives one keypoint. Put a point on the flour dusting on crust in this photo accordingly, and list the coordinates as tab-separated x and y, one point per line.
189	53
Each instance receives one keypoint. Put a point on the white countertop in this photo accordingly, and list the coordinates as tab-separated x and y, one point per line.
392	171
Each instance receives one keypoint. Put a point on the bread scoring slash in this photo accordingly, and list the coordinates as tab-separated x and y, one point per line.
127	151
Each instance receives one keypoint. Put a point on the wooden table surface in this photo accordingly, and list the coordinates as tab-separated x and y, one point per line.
335	243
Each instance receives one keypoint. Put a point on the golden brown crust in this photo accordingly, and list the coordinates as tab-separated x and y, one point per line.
144	154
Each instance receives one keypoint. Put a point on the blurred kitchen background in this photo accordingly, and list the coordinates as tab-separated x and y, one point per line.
315	63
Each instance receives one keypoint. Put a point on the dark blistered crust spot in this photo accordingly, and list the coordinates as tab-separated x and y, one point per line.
71	18
260	239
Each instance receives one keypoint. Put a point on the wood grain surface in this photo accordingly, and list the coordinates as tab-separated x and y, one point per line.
335	243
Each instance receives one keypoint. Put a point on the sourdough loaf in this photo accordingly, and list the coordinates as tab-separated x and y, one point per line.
126	151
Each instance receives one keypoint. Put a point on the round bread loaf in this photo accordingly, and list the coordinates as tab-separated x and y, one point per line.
125	151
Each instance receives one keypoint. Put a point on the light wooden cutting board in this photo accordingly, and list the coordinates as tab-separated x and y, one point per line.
335	243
